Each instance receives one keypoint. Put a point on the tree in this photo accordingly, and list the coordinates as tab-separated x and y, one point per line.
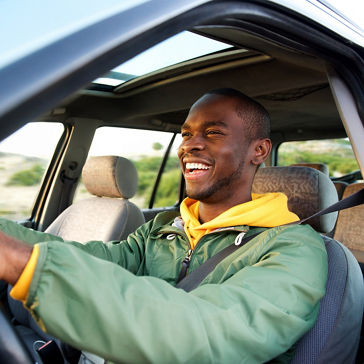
157	146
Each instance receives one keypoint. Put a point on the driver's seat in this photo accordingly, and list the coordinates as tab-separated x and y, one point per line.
336	333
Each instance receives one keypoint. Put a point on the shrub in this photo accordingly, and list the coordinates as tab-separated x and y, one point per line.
28	177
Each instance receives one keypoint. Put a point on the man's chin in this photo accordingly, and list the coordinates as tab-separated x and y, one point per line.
202	196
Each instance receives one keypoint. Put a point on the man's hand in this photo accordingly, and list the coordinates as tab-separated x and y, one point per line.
14	255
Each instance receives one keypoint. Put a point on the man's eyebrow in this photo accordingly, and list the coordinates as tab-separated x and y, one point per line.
215	123
206	124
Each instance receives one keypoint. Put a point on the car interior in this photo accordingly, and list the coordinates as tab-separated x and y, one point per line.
295	85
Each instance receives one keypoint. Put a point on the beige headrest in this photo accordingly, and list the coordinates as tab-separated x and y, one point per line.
322	167
110	176
308	191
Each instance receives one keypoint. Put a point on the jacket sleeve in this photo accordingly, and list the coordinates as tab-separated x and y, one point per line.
251	317
128	253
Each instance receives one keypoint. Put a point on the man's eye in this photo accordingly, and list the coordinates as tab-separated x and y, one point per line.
213	132
185	134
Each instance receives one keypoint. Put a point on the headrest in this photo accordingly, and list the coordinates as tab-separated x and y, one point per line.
110	176
322	167
308	191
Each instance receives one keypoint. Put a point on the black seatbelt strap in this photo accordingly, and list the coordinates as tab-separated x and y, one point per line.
192	280
355	199
67	184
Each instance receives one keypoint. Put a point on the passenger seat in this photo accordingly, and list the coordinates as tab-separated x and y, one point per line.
108	215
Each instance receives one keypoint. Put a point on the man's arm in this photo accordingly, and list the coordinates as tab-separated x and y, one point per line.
127	254
14	255
253	316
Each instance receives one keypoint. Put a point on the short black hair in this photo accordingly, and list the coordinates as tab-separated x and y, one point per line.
252	112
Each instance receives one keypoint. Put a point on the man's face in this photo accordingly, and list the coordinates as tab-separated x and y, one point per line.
214	152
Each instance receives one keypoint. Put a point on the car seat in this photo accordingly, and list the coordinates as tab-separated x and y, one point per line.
350	225
322	167
336	333
108	215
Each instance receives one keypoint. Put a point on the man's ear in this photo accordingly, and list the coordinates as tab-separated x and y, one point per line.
262	148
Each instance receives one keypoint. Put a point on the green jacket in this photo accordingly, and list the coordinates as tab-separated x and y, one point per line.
253	307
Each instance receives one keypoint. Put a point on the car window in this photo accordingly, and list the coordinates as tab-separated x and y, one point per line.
24	157
145	148
337	154
181	47
168	189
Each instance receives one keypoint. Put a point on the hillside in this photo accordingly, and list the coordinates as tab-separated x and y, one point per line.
16	201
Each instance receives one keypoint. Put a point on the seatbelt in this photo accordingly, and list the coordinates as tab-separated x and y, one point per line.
67	184
193	280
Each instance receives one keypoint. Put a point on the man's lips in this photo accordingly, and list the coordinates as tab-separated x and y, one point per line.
196	170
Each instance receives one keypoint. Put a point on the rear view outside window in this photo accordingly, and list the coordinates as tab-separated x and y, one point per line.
24	157
335	153
145	149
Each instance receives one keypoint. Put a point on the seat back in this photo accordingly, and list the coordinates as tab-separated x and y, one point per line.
340	188
336	333
108	215
308	191
350	224
322	167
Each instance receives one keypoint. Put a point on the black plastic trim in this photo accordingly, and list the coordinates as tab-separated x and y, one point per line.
49	176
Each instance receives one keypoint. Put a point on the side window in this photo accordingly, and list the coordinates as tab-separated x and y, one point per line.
335	153
167	192
145	148
24	157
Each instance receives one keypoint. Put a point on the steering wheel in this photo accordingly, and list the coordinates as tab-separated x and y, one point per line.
12	349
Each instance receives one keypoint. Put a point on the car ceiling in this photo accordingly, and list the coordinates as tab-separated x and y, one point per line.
291	85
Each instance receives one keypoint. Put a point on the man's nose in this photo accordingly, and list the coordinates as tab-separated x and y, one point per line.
192	143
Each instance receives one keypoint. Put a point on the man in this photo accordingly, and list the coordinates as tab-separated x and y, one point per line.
118	300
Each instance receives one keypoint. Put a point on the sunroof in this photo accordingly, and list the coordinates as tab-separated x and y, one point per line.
182	47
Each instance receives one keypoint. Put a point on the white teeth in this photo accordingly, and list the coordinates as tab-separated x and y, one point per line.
196	166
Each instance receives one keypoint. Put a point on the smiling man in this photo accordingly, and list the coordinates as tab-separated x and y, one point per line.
225	139
119	300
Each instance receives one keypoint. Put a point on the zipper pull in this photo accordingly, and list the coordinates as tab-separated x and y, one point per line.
185	264
188	257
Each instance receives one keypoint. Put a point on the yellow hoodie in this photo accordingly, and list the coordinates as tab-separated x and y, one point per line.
264	210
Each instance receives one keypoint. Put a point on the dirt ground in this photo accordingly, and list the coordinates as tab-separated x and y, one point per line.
16	202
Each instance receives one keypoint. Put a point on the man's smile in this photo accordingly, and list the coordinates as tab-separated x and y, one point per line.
196	170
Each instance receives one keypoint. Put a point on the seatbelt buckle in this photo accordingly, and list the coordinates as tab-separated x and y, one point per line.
50	353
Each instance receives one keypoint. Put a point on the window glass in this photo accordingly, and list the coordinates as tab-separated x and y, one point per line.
181	47
24	157
335	153
145	149
168	189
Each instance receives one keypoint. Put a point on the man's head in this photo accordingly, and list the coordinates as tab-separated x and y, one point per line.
255	116
225	139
